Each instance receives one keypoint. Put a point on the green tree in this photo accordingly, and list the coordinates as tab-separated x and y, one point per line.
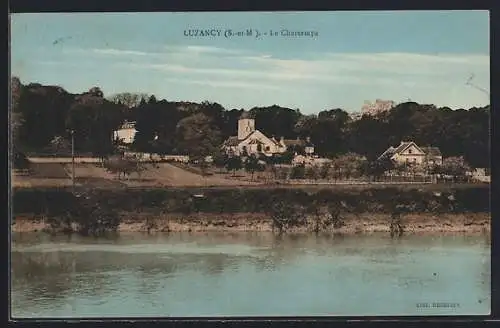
220	159
286	157
378	167
234	164
93	120
42	104
60	146
121	165
324	170
197	135
368	136
128	99
276	120
285	216
351	164
456	167
251	165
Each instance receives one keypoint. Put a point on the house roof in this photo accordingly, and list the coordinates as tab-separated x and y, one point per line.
276	142
402	146
127	125
433	151
294	142
389	152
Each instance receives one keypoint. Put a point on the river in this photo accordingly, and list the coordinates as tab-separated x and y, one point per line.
248	274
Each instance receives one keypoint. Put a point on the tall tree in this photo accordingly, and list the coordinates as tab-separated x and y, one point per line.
44	109
128	99
197	136
93	120
276	120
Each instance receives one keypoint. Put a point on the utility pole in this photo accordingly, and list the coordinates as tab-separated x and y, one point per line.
73	159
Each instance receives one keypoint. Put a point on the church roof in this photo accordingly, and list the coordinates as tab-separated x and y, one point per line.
232	141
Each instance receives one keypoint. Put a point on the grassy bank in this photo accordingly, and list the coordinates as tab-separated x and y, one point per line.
461	208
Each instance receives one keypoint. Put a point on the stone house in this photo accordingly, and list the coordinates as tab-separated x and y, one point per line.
410	153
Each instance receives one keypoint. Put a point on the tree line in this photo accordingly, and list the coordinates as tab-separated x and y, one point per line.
41	114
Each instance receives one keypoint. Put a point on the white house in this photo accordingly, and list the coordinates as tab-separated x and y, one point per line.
409	153
126	133
481	174
253	142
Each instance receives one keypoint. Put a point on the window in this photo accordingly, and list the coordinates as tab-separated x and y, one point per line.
409	151
268	148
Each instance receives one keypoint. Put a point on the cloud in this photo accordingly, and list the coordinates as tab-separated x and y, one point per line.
118	52
210	50
348	68
386	63
166	51
225	84
325	77
388	69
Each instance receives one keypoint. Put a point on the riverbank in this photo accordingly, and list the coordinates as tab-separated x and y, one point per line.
452	208
467	223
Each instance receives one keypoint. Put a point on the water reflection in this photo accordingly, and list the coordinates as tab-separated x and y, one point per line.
164	272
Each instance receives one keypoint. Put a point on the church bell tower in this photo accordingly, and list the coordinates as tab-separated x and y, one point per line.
246	126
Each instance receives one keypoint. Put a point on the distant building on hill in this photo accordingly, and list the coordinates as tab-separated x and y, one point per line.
377	107
253	142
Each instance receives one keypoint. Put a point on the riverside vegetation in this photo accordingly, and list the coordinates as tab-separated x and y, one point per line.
99	211
166	127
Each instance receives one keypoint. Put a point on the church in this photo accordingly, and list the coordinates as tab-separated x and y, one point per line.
253	142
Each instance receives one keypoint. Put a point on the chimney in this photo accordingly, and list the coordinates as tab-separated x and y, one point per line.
308	139
282	139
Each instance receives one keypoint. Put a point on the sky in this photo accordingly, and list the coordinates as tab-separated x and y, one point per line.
352	57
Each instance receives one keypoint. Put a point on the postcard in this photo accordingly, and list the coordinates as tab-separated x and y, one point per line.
250	164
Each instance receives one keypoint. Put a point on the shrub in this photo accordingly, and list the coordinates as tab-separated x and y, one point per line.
285	215
298	172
